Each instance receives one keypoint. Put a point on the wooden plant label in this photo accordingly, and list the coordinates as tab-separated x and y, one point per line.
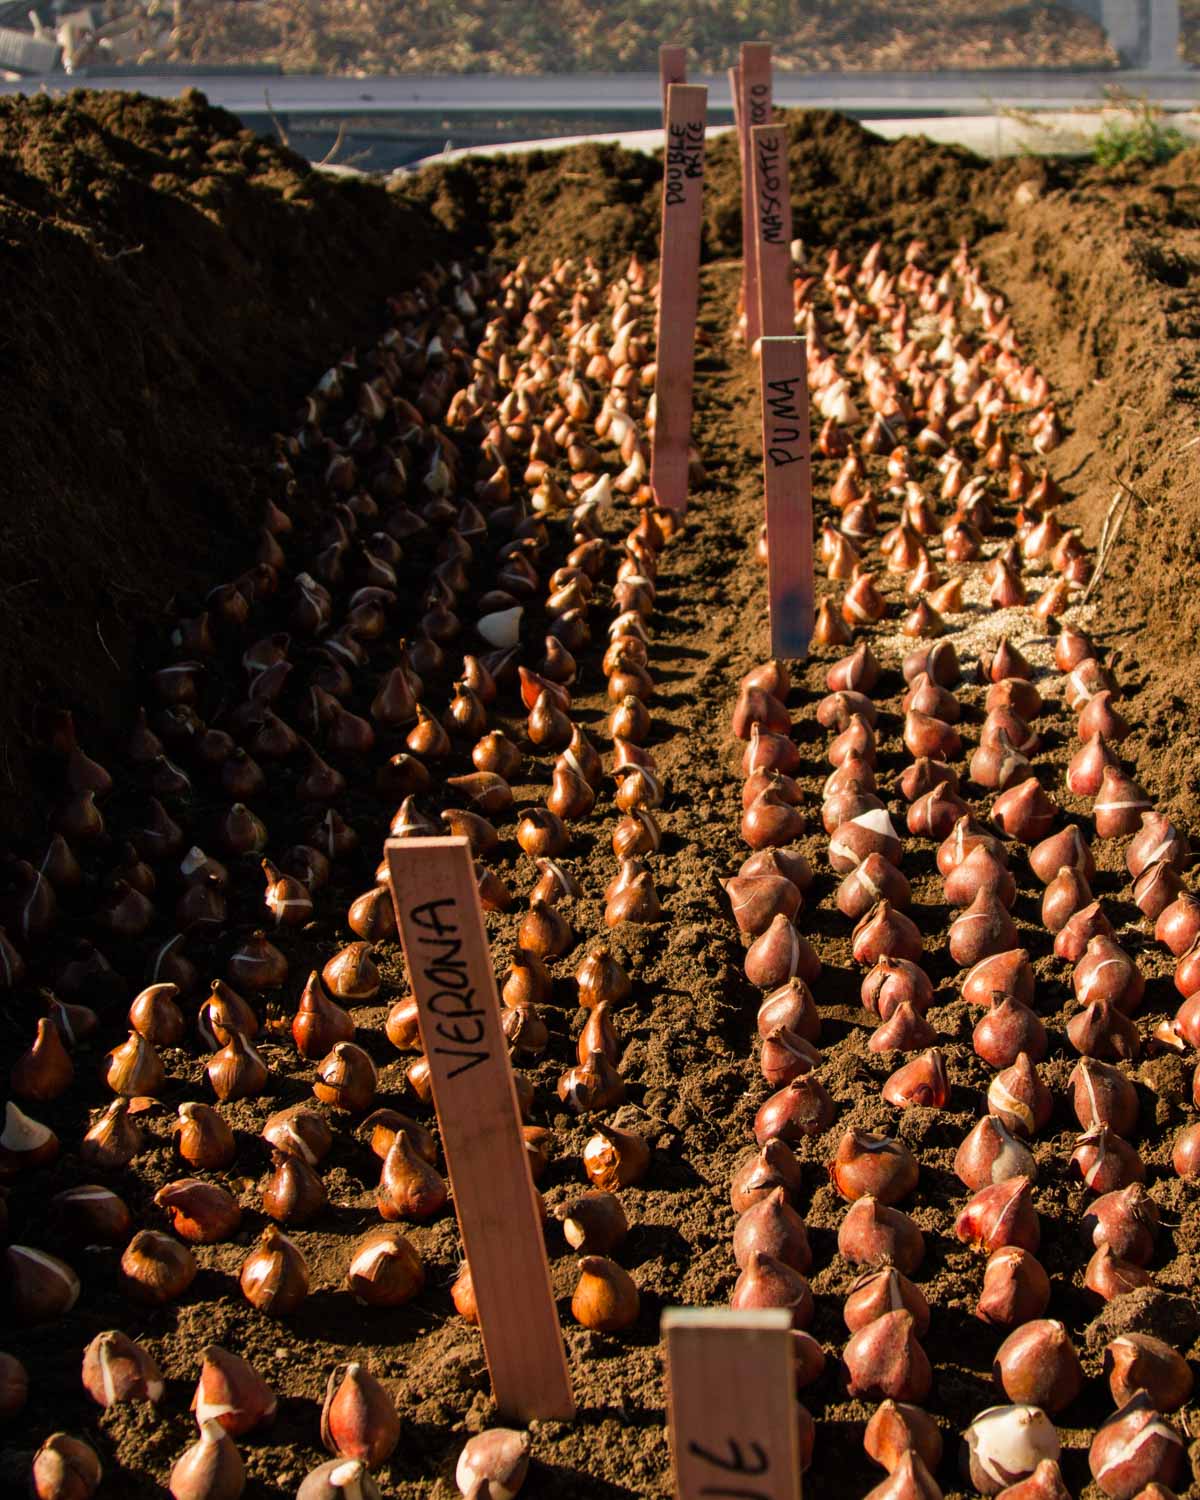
754	72
773	224
787	477
679	292
735	95
731	1381
672	68
450	968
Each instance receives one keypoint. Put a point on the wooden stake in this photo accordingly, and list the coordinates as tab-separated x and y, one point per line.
755	74
787	478
731	1383
450	969
679	292
672	68
735	95
773	223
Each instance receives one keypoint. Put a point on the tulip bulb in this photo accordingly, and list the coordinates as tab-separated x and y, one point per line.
211	1469
1135	1448
493	1464
884	1361
385	1269
605	1298
64	1468
274	1276
882	1291
1015	1288
1006	1444
1000	1214
359	1419
872	1232
202	1213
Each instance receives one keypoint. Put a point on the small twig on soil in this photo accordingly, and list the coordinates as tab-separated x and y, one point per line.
338	142
107	652
24	584
1108	537
276	121
117	254
1137	495
1191	443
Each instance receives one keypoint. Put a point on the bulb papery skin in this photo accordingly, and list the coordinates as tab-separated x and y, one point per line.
1005	1444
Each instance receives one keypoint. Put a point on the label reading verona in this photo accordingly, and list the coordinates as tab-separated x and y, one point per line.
450	996
685	158
734	1434
449	959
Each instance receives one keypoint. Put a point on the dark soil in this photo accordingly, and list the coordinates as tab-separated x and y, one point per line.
1099	270
174	282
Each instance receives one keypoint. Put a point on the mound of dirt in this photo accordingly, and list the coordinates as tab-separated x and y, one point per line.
172	282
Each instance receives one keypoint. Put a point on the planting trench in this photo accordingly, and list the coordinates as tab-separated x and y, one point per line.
692	1078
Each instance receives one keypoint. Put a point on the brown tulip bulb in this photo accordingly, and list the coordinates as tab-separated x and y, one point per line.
156	1269
64	1468
1134	1448
294	1194
1015	1288
1125	1220
1007	1030
155	1016
493	1464
91	1211
881	1291
351	974
202	1213
346	1079
615	1158
767	1282
203	1138
359	1419
921	1082
884	1361
801	1108
274	1276
909	1480
237	1071
989	1154
1037	1365
319	1024
779	955
116	1369
1000	1214
1019	1099
773	1227
1072	941
885	932
893	982
773	1166
134	1068
601	979
1107	1276
1138	1362
385	1269
409	1188
1103	1097
872	1232
898	1430
605	1298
